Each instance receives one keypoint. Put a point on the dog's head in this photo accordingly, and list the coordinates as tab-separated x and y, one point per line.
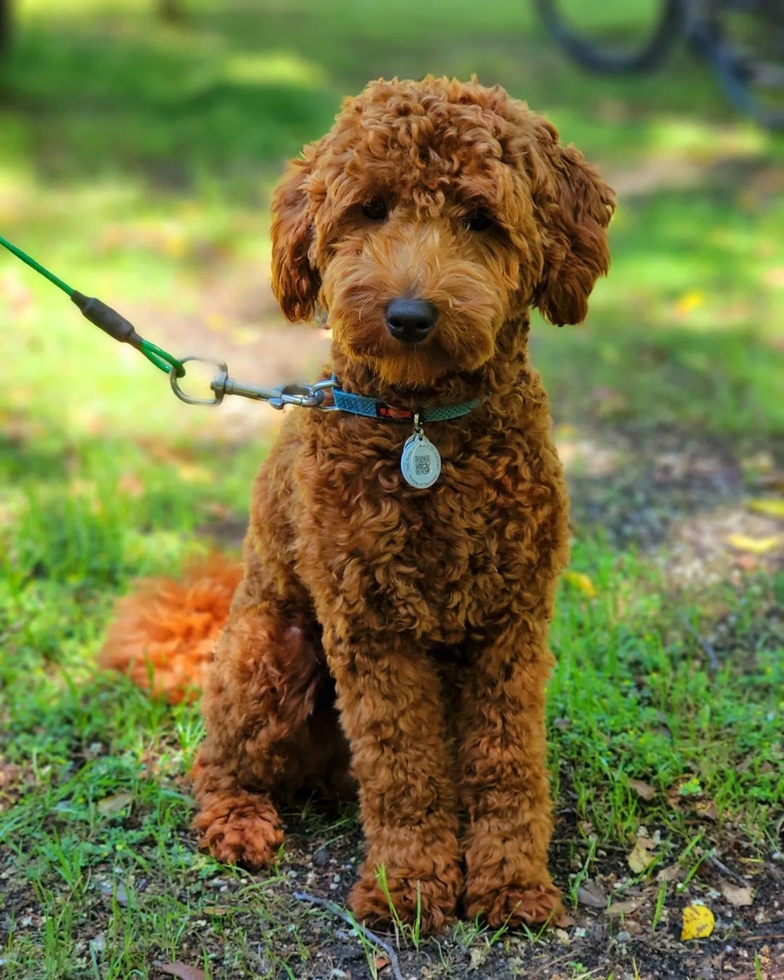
433	213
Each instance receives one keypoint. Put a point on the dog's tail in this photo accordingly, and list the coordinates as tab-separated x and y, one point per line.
164	634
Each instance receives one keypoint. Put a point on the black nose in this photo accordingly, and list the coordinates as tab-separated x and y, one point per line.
411	319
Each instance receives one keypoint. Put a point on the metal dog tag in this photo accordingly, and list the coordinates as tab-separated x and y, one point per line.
421	461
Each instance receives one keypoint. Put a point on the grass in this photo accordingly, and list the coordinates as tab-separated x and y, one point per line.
136	161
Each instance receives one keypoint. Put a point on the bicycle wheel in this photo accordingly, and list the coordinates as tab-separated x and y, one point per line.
614	35
744	40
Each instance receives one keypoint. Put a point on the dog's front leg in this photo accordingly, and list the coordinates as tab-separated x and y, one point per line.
504	782
392	711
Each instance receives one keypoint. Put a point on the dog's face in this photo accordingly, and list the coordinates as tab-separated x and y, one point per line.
433	213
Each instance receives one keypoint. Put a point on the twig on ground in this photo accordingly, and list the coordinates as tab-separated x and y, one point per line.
727	872
335	909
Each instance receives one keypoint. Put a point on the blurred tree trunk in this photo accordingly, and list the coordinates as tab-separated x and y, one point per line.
170	10
5	26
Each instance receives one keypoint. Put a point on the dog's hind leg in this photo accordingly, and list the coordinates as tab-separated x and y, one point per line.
271	725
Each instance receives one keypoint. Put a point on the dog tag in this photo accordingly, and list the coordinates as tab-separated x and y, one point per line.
420	462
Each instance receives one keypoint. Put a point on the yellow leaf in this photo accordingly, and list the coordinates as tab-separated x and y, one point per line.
755	546
692	300
582	583
769	506
174	245
193	473
641	857
698	922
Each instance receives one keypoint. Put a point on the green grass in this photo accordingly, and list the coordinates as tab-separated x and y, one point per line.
136	161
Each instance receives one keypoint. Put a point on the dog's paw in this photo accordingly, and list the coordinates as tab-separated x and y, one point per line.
246	835
427	904
513	904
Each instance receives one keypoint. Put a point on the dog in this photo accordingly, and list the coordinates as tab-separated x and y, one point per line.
389	628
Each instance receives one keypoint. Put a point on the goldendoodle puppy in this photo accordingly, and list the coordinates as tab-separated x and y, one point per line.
403	549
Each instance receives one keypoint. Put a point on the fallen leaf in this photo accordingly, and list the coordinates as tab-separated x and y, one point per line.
565	921
114	804
643	790
590	894
381	962
623	908
215	910
581	582
691	300
707	809
755	546
770	506
641	856
183	971
737	896
192	473
698	922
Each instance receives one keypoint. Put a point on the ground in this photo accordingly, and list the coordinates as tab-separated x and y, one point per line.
145	180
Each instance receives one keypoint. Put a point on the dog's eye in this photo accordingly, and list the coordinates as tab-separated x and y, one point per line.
375	209
478	221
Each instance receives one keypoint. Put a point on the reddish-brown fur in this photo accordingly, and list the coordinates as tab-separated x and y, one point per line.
393	635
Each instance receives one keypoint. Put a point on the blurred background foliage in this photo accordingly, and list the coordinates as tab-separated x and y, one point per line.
138	151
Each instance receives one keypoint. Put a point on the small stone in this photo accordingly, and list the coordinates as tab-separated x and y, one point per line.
321	857
623	936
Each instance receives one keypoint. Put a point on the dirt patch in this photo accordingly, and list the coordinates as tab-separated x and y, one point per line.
684	498
619	938
597	941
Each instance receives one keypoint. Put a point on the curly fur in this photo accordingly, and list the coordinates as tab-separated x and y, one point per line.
393	636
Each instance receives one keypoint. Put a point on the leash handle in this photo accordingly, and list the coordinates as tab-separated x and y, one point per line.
122	330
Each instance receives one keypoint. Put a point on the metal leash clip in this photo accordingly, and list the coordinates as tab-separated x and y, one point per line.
302	395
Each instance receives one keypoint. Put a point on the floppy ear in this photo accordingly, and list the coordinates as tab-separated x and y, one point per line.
295	282
575	216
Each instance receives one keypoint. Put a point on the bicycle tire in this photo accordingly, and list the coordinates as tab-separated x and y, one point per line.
648	55
731	66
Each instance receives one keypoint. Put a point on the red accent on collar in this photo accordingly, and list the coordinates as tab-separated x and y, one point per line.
388	412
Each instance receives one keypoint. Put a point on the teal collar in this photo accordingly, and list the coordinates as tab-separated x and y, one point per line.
371	408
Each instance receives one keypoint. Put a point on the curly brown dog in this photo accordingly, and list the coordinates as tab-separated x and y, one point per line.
383	632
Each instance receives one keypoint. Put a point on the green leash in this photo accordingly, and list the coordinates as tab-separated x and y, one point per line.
103	316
